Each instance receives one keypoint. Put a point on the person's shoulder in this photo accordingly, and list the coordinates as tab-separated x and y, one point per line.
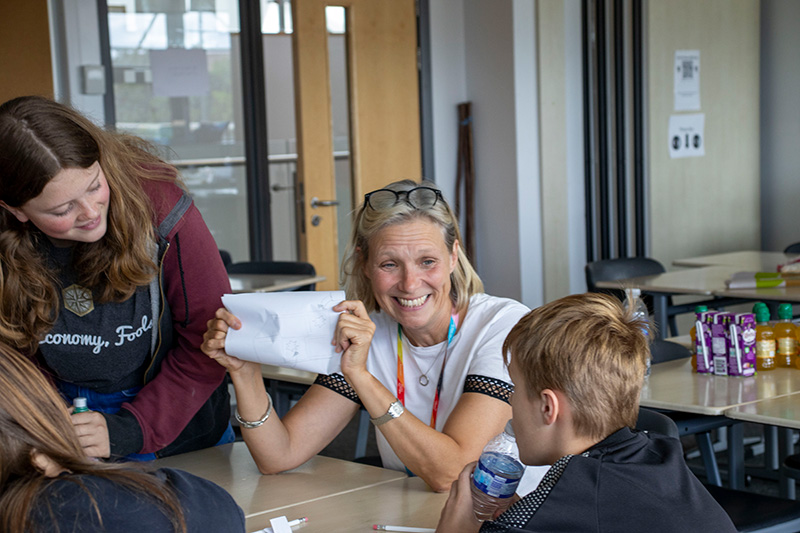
163	196
497	305
203	501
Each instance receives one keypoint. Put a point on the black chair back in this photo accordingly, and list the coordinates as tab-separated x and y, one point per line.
793	248
227	260
662	351
655	422
276	267
622	268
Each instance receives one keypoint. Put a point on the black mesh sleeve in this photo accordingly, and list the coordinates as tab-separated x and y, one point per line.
337	383
489	386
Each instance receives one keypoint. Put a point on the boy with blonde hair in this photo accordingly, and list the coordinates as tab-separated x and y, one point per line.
578	366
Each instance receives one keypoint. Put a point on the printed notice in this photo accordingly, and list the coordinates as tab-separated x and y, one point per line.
686	137
687	80
179	72
286	329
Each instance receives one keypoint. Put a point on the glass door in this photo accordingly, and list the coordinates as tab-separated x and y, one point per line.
177	83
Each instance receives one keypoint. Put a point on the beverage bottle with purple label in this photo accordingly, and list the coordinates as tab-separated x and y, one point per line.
497	475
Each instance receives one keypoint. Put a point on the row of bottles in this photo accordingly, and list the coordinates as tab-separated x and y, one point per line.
776	344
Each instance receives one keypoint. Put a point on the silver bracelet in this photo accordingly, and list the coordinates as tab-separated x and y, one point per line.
250	425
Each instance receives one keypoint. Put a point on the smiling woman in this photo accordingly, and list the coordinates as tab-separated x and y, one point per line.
101	258
420	348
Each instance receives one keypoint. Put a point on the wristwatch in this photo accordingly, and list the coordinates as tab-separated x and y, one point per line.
395	410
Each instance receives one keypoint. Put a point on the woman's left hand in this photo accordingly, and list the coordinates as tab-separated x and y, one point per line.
353	336
92	432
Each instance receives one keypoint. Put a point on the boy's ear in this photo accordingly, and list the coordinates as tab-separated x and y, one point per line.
550	406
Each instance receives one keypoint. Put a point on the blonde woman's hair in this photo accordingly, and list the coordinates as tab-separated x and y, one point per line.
34	419
38	139
464	281
591	349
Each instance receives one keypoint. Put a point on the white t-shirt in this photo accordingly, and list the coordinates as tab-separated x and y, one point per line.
476	350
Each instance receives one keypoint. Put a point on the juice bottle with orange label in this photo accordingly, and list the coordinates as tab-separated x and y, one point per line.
765	339
785	337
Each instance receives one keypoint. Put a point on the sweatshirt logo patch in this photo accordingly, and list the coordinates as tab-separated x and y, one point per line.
78	300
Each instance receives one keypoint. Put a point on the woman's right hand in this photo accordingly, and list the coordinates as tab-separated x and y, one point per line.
214	339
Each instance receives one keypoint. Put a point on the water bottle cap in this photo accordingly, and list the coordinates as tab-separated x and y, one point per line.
509	428
79	402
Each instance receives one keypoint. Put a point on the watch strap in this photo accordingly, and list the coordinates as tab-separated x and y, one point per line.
395	410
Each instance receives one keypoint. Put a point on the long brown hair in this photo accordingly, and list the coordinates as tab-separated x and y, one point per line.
34	418
38	139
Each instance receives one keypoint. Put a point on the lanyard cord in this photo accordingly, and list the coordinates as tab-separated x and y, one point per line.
401	388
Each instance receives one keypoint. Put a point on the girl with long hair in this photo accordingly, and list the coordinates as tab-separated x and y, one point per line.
108	275
48	484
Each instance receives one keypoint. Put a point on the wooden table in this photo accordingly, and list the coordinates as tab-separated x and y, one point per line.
291	493
781	415
404	502
746	260
674	386
270	282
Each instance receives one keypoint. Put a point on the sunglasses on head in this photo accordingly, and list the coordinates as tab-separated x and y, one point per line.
418	198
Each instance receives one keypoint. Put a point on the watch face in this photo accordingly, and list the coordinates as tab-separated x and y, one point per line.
396	409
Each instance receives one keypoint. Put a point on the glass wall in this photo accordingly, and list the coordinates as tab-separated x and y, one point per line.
177	84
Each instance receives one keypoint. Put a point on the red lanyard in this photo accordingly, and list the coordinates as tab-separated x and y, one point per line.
401	388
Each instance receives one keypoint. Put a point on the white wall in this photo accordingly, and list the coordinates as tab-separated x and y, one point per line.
780	123
708	204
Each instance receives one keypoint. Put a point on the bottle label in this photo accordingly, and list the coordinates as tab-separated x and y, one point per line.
787	346
765	349
493	484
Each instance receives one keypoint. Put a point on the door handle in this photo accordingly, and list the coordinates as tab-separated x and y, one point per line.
316	202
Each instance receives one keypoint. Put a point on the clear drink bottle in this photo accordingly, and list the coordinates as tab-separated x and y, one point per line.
497	475
634	298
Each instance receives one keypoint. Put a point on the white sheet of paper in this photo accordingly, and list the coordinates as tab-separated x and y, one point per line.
286	329
687	80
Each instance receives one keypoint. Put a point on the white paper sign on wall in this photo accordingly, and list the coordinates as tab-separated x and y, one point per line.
686	136
687	80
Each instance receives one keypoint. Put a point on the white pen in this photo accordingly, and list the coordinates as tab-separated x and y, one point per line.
292	523
381	527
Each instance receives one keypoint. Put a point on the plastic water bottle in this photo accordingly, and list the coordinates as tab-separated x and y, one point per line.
497	475
79	404
639	313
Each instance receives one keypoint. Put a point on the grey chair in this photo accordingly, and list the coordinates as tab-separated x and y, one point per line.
750	512
622	268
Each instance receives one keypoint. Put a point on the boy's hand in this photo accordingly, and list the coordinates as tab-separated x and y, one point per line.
457	515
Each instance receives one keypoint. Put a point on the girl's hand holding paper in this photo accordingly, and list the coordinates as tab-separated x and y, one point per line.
353	336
